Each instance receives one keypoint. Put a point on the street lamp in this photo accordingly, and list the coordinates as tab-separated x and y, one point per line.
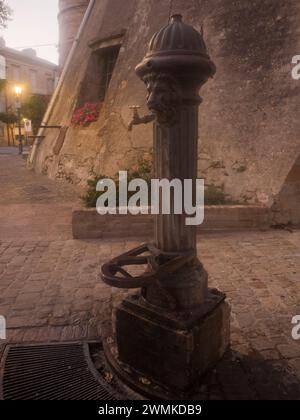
18	92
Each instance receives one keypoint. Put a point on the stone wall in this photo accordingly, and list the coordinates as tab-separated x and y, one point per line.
286	208
249	125
88	224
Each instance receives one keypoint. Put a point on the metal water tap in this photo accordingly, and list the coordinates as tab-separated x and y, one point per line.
137	120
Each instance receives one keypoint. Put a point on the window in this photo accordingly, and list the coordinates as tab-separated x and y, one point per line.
33	80
98	75
16	74
107	61
2	67
50	86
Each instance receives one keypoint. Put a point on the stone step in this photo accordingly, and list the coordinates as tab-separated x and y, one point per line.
88	224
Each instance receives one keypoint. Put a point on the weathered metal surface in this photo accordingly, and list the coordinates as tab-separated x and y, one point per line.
137	119
52	372
160	265
176	329
174	69
171	351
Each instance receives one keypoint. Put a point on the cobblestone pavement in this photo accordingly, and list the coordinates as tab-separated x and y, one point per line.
32	206
50	289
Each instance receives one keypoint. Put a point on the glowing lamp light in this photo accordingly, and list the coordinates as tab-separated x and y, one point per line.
18	90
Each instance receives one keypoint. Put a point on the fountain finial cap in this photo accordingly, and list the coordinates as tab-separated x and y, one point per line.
176	16
177	48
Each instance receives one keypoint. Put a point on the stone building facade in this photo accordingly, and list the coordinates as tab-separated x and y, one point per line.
36	76
249	125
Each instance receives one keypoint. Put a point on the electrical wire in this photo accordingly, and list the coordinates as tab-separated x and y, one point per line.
36	46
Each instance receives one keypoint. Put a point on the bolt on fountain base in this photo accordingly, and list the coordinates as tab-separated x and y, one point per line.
171	349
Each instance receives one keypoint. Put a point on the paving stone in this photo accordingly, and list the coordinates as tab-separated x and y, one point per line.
50	288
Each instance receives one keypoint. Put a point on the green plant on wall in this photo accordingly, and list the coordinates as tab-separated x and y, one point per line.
241	168
142	170
215	196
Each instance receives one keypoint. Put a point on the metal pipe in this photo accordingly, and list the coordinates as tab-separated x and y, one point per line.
20	132
61	79
50	126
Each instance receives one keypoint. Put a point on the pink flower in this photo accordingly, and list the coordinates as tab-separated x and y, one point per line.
86	114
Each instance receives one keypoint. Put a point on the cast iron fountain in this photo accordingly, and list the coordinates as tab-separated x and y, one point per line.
176	328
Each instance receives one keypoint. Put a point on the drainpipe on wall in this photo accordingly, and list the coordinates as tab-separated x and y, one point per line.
61	80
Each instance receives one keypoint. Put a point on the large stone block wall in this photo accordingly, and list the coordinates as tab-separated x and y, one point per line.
286	208
88	224
249	125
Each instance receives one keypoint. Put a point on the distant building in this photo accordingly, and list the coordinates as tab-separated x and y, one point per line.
35	75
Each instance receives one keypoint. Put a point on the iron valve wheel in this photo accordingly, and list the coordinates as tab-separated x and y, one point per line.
159	265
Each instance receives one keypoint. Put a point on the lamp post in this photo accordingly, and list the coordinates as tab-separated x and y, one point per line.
18	92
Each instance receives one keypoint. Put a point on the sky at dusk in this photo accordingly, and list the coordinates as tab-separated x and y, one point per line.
34	22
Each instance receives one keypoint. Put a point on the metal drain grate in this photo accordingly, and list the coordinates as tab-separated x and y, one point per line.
52	372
